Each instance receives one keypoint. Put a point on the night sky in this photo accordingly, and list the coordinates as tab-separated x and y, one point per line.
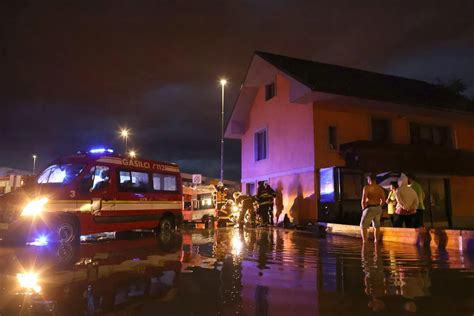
73	72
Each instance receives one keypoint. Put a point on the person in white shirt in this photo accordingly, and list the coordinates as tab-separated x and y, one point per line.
407	203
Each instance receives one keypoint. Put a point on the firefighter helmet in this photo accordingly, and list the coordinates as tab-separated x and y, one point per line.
236	195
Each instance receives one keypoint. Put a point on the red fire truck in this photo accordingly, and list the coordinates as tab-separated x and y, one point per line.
93	192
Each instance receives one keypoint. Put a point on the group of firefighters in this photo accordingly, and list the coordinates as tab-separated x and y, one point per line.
252	210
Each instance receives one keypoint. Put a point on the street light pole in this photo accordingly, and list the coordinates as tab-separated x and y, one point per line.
223	83
34	164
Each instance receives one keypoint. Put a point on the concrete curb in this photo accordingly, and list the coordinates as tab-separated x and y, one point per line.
462	240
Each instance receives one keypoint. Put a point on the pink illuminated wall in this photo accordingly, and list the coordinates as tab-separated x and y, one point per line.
290	161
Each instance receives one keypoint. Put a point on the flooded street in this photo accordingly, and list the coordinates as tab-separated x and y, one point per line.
228	271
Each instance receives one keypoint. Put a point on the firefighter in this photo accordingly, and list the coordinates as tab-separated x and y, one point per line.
220	195
265	197
245	203
227	195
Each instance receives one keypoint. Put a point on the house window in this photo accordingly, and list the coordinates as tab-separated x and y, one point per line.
261	145
430	135
332	137
381	130
269	91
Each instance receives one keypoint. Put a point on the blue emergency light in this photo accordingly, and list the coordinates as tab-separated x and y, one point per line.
101	151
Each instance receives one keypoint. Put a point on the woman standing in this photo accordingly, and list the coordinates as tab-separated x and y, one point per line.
392	200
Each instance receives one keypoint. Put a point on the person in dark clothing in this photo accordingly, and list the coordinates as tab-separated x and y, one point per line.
219	195
265	197
271	199
245	203
227	195
261	206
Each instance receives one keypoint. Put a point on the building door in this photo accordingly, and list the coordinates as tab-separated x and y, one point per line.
437	204
250	188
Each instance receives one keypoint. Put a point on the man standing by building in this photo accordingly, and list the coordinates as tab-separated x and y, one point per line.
373	197
407	202
270	196
418	222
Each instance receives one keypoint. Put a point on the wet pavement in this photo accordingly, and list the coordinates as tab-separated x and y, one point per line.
227	271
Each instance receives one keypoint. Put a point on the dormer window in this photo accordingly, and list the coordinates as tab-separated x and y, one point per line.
269	91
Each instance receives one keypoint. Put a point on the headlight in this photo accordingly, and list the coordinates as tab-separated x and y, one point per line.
29	282
34	207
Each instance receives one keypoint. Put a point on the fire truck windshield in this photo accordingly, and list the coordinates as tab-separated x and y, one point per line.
60	174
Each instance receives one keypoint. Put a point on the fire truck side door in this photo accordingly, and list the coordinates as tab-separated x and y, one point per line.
100	191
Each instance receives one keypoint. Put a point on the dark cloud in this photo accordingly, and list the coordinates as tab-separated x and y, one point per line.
73	72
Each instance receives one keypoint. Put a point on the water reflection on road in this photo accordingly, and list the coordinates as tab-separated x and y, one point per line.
231	271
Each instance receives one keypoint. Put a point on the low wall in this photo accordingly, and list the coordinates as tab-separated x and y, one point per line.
440	238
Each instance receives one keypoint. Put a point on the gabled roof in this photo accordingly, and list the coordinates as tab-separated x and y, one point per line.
347	81
312	81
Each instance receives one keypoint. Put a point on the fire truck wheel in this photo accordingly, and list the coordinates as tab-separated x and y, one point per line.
170	241
66	254
167	224
66	230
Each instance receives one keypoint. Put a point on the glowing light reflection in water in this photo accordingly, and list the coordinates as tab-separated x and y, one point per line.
249	271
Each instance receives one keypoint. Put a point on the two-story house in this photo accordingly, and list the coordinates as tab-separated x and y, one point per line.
300	120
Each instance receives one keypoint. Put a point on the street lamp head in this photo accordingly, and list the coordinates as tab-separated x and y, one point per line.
124	132
132	154
223	82
34	156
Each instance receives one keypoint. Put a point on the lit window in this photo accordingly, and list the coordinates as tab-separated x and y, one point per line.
326	185
261	145
133	181
165	182
60	174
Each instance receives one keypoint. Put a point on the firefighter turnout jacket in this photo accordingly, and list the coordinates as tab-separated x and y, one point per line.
266	196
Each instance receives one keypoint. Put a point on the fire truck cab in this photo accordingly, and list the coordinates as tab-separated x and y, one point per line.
93	192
